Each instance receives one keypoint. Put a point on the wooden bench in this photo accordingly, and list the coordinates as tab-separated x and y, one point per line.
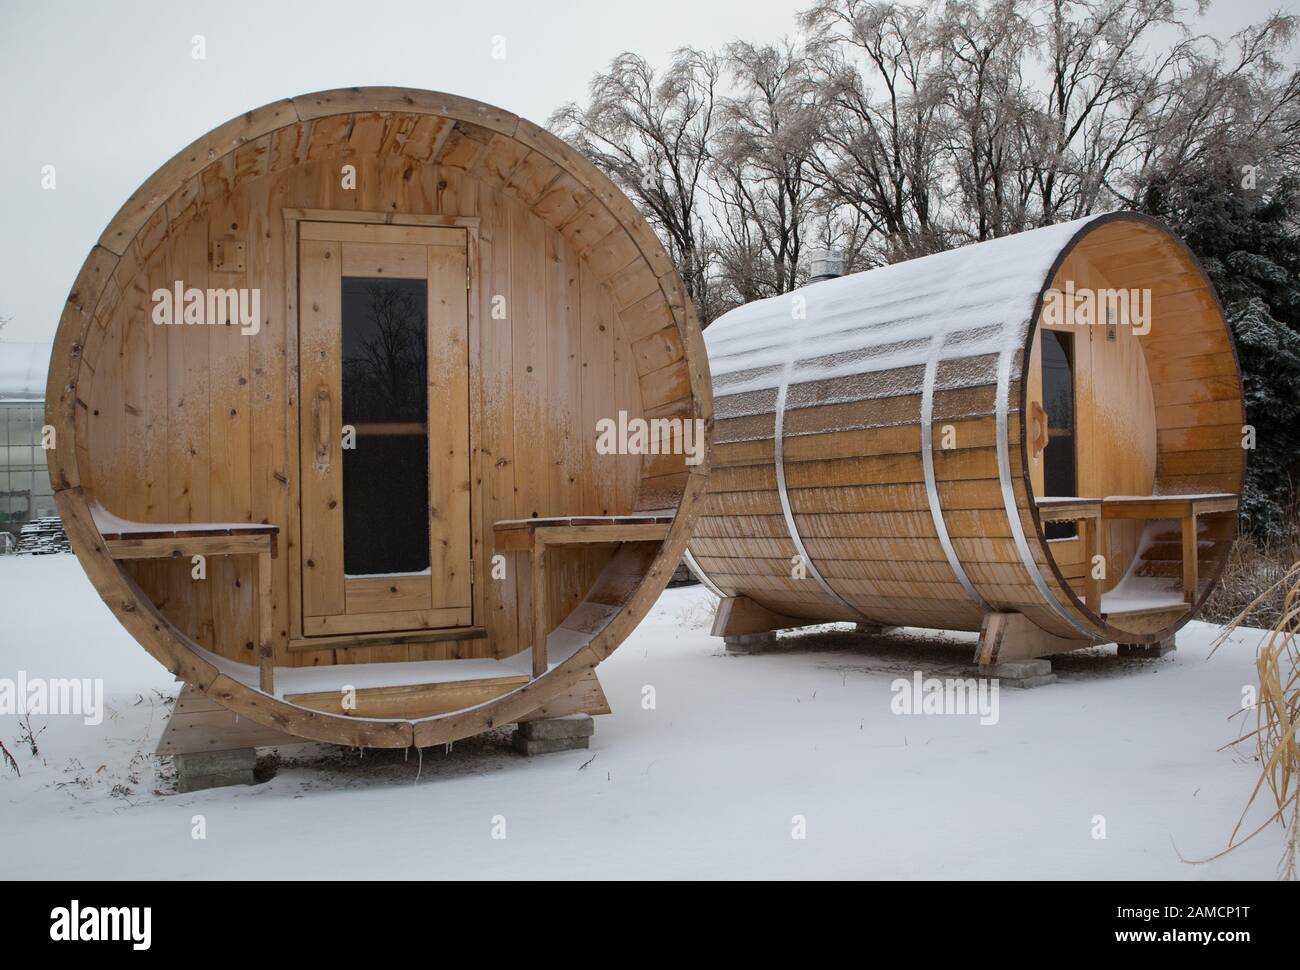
536	536
1090	513
145	540
1087	513
1186	509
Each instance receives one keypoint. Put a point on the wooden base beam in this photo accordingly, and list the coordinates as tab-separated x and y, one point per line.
740	616
199	725
585	697
1007	637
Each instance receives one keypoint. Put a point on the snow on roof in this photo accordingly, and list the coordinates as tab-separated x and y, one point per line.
23	368
978	298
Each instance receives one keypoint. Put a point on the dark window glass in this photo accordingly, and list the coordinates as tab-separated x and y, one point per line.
1059	473
385	505
385	397
385	341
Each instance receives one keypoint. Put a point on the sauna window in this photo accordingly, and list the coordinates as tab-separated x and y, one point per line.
1059	472
385	398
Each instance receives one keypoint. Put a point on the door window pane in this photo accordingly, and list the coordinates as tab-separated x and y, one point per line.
1059	472
385	398
385	505
385	348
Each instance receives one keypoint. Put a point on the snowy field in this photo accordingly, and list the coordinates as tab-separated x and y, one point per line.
707	784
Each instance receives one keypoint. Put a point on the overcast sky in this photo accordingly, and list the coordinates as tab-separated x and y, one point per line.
106	92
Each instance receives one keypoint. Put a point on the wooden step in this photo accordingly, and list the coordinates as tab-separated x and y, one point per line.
410	701
1162	568
1164	551
1148	620
1172	608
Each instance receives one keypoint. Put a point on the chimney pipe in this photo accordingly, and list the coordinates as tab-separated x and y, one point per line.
825	264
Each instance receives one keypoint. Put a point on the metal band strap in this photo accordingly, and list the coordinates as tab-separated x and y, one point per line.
785	500
1009	498
927	466
702	576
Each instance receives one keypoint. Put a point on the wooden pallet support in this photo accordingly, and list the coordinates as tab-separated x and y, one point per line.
740	616
584	697
1008	637
211	746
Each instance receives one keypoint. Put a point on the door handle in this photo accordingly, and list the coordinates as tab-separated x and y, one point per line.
1037	429
322	409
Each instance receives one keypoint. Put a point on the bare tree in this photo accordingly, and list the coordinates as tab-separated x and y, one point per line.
652	134
890	130
762	166
987	101
386	370
1220	100
1098	86
881	155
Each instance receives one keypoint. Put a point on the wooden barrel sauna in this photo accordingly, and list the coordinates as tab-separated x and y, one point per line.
969	441
368	463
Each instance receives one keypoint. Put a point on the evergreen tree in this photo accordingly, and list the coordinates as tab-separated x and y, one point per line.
1247	240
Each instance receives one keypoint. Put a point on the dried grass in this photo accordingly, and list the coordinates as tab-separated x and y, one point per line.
1254	565
1277	713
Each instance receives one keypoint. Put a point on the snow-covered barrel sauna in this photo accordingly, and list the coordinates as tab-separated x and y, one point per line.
1039	437
326	396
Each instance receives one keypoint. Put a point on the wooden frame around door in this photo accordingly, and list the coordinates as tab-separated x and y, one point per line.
298	640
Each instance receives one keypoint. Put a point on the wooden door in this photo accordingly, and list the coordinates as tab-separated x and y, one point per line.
1113	444
384	428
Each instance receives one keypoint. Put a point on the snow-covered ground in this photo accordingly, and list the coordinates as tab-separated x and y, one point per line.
708	783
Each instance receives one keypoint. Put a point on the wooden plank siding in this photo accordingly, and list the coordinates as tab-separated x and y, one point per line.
1159	412
193	424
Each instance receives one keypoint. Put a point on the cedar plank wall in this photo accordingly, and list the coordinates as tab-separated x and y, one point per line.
855	481
856	487
189	423
1182	432
1195	384
1115	423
